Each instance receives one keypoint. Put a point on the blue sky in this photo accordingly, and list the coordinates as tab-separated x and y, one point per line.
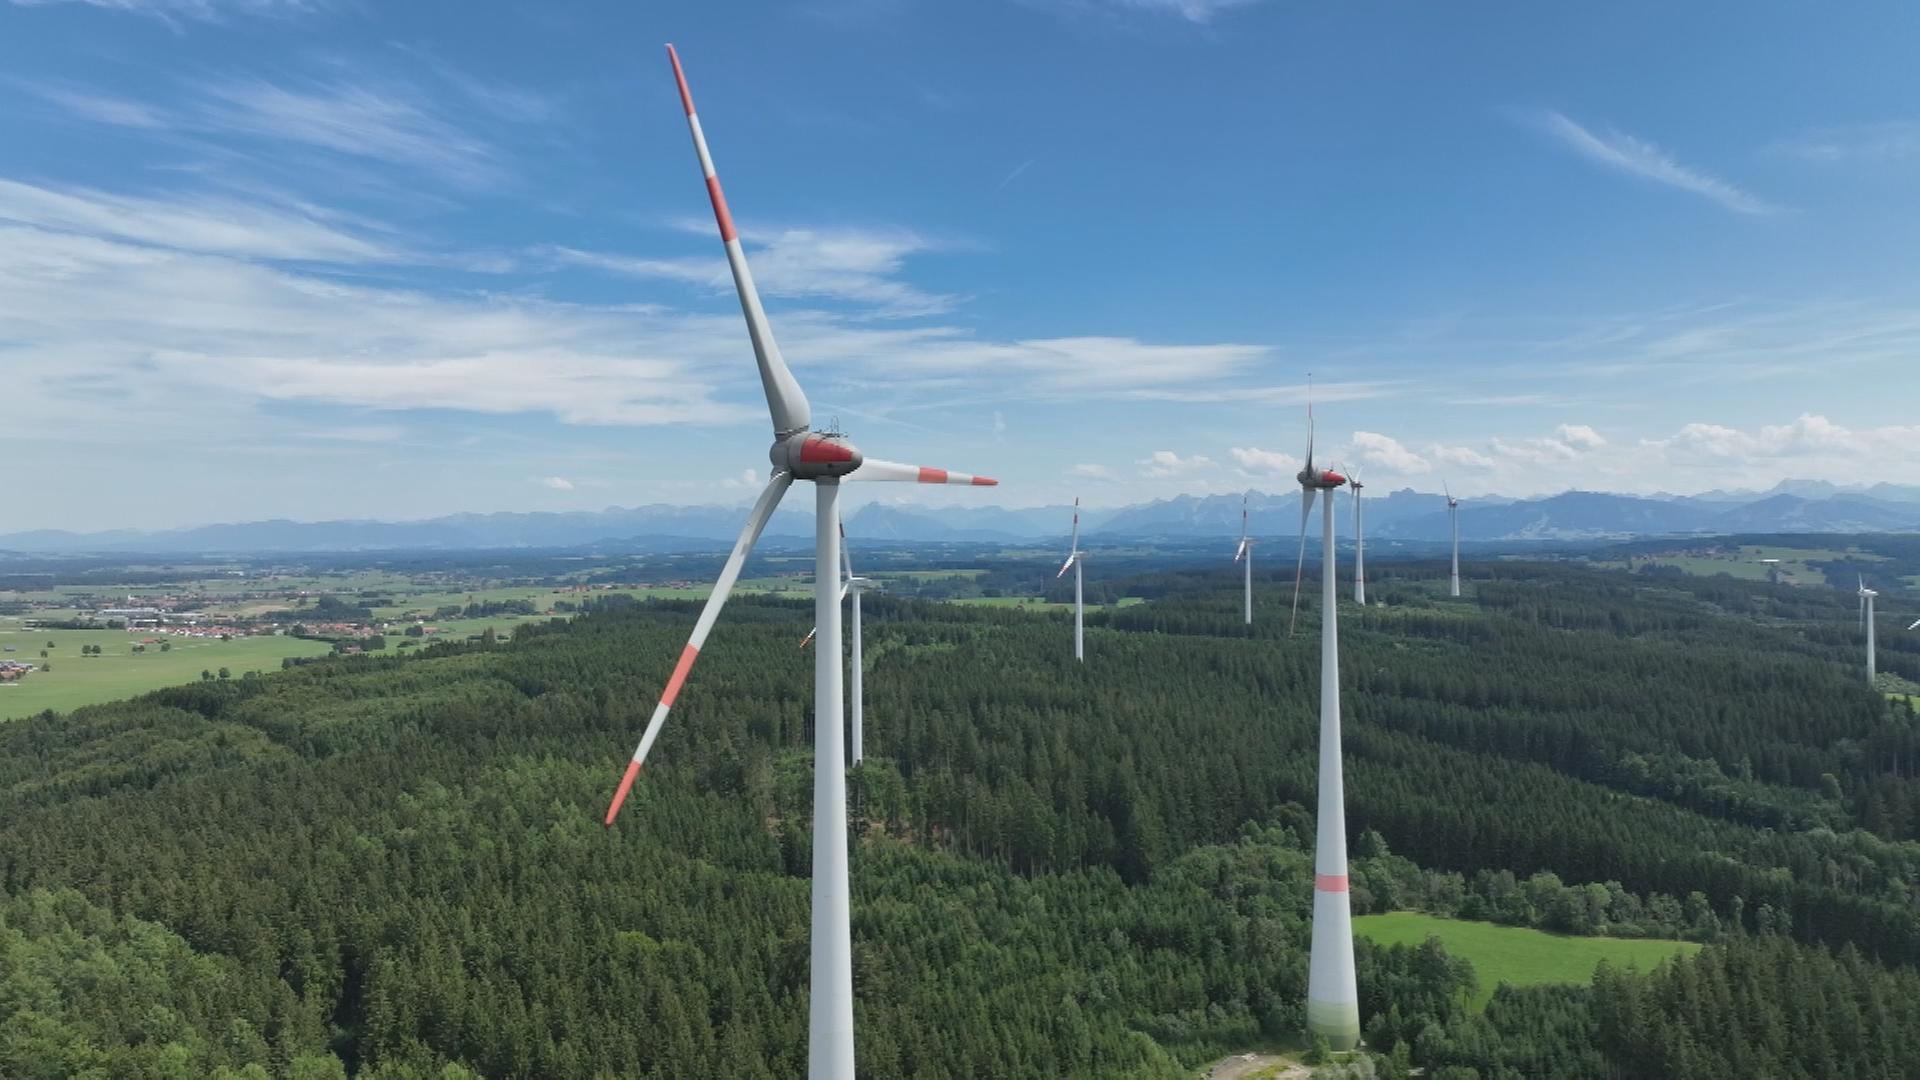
338	258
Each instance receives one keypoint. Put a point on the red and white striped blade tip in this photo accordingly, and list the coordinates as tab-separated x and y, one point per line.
876	469
942	476
620	793
680	77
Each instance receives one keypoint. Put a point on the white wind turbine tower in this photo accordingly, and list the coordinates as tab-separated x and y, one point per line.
1245	551
823	458
1075	557
853	586
1866	620
1333	998
1359	545
1453	519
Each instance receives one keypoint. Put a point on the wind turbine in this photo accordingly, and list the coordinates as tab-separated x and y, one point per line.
1075	557
1773	570
1333	998
1245	551
1359	546
854	586
1866	620
823	458
1453	519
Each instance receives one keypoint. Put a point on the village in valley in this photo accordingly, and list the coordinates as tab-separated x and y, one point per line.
74	635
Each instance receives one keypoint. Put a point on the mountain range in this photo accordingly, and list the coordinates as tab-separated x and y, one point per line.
1404	515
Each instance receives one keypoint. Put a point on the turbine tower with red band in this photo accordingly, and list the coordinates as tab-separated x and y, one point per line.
824	459
1333	998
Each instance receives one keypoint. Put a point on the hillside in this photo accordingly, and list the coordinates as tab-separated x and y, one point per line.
395	866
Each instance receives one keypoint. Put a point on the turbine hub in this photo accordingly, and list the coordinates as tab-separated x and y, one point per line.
815	455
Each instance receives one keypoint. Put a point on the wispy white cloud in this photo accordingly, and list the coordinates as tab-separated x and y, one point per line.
99	108
193	223
1385	451
1529	401
1580	436
1199	11
1097	473
1808	435
1460	457
1014	175
1890	140
1268	464
174	310
1162	464
1243	357
558	483
201	10
857	265
1626	153
353	114
99	327
383	122
505	101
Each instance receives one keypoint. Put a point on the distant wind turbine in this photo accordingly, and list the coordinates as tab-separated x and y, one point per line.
1866	620
852	586
1333	999
823	459
1075	557
1245	552
1453	519
1359	545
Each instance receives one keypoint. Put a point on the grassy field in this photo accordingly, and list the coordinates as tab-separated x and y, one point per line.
1744	562
118	672
1517	955
1035	603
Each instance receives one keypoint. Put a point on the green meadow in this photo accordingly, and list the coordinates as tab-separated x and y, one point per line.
1517	955
119	672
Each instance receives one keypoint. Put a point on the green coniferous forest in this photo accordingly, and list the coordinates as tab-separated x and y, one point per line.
394	867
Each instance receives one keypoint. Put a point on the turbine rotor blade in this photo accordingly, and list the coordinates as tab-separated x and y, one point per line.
1300	561
1073	546
722	588
786	402
875	469
844	589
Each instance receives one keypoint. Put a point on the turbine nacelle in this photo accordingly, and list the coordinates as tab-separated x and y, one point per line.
1319	479
810	455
